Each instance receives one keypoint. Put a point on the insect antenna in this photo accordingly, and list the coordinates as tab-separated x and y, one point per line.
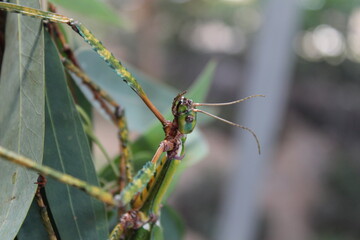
233	124
228	103
227	121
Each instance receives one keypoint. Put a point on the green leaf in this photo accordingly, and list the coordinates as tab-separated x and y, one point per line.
21	115
138	115
77	215
93	8
173	226
67	150
200	88
33	227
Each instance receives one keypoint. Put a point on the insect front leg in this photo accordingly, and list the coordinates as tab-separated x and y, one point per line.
117	115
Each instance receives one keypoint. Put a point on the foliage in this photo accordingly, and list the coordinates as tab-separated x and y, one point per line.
46	117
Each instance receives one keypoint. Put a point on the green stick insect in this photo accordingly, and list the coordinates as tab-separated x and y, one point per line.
140	198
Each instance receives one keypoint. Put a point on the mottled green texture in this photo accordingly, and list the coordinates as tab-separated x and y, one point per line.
116	232
139	182
138	202
59	176
109	58
156	197
32	12
21	115
126	155
161	185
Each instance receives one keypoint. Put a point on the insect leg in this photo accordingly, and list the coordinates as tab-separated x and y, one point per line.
125	166
85	33
43	209
142	177
94	191
130	220
118	118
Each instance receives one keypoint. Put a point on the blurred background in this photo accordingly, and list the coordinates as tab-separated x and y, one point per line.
304	56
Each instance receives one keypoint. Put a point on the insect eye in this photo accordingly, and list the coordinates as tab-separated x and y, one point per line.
189	119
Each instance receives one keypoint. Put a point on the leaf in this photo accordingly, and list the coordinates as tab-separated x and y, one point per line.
138	115
33	227
76	215
21	115
173	226
200	88
92	8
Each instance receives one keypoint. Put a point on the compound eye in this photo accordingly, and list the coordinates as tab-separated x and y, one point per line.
189	119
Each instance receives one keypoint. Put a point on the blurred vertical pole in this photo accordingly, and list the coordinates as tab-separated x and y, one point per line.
269	73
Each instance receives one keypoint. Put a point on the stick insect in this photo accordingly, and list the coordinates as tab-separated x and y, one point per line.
139	198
